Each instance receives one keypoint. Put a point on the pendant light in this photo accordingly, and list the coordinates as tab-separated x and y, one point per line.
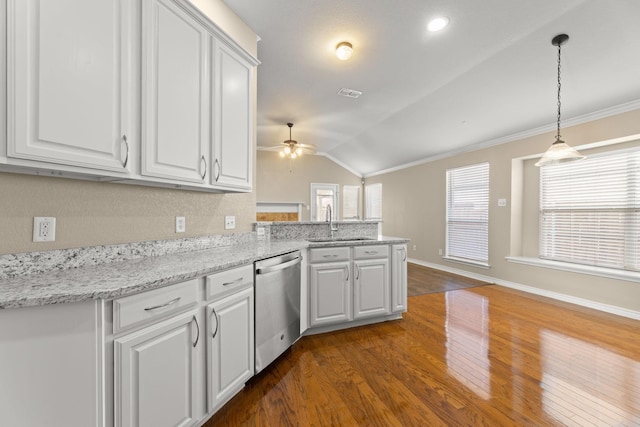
560	151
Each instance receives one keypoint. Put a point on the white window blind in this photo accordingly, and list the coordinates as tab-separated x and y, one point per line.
373	201
468	214
350	195
590	211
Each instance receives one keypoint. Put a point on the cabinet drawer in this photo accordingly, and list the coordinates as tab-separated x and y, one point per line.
222	283
146	306
329	254
374	251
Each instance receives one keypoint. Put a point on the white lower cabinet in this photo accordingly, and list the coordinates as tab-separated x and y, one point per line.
399	278
371	291
182	351
357	287
156	374
230	347
330	293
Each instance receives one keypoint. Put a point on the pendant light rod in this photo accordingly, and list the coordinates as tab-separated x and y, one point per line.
559	40
560	151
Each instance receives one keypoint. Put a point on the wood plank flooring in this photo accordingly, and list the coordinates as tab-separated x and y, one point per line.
486	356
424	280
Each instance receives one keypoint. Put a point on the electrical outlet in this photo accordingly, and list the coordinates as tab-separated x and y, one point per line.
260	232
229	222
181	224
439	251
44	229
415	247
502	202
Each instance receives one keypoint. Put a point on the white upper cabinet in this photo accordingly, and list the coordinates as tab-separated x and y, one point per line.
175	93
233	126
69	82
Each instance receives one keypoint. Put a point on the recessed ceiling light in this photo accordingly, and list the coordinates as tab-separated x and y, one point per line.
344	50
437	24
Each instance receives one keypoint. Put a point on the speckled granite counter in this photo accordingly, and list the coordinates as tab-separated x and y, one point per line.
126	277
118	278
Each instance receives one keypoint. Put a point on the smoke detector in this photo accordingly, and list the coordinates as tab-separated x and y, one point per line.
349	93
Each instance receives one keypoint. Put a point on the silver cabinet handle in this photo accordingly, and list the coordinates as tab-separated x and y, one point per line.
126	159
166	304
198	329
202	159
213	312
370	252
219	167
347	279
330	256
235	282
404	251
357	272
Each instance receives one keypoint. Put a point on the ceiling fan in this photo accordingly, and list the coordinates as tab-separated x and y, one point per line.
293	149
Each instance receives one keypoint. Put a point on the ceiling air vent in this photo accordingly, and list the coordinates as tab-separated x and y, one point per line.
349	93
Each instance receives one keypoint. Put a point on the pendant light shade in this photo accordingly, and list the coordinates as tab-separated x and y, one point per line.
560	151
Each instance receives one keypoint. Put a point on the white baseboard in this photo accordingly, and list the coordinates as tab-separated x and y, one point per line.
607	308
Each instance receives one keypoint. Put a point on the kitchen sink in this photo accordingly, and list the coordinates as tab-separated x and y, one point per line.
340	239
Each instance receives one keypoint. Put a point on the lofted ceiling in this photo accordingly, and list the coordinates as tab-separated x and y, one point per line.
490	74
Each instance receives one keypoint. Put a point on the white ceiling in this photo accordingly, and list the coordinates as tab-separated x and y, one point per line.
491	73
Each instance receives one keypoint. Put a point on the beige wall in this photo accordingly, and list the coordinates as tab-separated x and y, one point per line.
414	207
92	213
282	180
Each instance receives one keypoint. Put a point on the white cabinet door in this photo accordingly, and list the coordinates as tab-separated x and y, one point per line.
371	290
156	373
70	82
233	130
330	293
175	97
230	346
399	278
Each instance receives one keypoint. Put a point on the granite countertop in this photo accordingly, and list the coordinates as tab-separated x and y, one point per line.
120	278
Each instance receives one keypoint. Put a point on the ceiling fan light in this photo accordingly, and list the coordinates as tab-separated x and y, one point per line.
287	150
344	50
299	151
294	155
559	152
282	154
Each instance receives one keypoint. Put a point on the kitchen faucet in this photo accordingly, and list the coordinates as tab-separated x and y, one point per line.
330	221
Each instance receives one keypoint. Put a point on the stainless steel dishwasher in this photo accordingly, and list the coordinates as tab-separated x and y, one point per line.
277	306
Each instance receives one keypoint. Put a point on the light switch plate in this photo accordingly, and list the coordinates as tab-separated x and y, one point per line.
502	202
229	222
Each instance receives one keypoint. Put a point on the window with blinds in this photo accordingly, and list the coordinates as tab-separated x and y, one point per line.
468	214
350	202
373	201
590	211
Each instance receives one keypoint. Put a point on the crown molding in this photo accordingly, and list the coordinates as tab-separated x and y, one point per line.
585	118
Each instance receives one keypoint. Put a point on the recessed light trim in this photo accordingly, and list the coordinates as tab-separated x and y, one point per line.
437	24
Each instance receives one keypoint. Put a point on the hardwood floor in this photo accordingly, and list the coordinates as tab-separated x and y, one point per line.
424	280
486	356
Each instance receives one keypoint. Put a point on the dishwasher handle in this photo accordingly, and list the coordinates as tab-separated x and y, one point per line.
278	267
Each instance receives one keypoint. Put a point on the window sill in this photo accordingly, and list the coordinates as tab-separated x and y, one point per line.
467	262
610	273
